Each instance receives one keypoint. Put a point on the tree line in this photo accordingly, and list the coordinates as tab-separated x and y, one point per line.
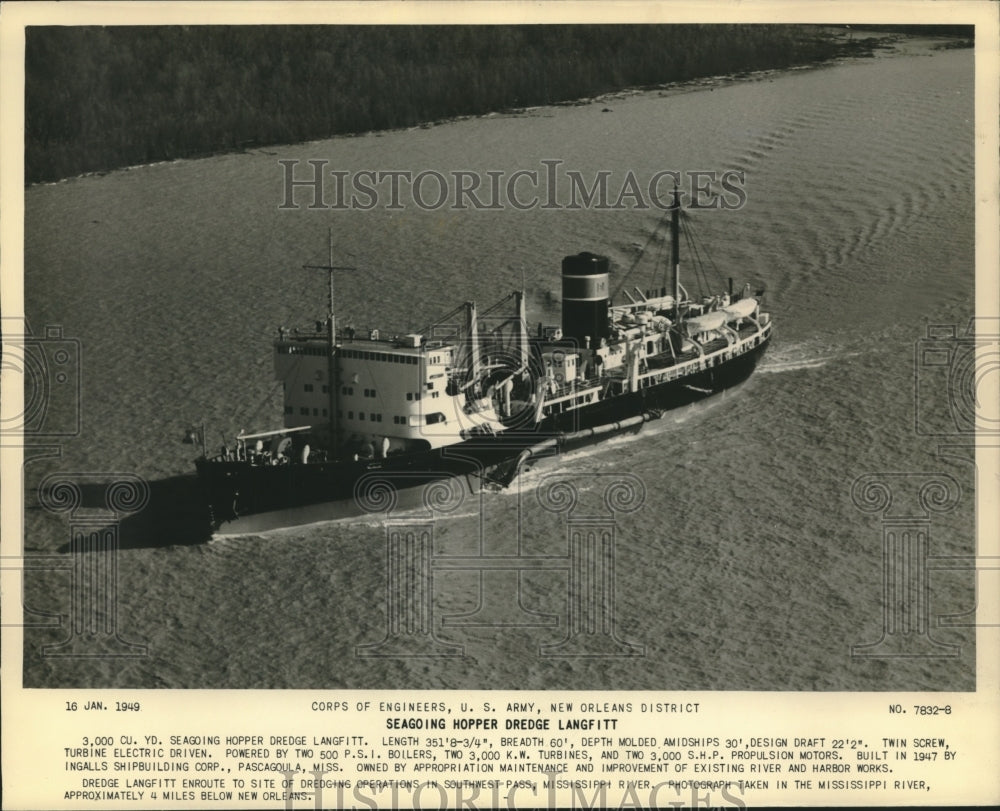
99	98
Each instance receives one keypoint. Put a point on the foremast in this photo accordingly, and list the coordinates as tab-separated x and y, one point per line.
333	378
675	249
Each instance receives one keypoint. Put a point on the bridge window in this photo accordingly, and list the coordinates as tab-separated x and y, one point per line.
436	417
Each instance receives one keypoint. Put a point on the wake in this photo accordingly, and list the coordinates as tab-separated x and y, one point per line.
774	365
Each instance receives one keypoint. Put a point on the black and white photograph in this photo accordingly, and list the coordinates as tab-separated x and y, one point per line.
503	355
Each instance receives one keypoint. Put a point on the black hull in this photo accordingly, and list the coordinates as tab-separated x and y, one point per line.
252	498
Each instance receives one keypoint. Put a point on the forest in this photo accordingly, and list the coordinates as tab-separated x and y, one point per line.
99	98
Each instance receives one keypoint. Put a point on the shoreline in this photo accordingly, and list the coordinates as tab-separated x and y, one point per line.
869	45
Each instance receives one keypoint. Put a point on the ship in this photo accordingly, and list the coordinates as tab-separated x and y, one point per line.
476	397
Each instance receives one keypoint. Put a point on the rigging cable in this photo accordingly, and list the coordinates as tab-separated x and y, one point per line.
721	278
638	259
260	406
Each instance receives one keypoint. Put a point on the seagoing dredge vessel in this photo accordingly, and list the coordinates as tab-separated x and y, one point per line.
474	397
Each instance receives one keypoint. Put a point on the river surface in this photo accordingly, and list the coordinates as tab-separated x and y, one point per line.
746	565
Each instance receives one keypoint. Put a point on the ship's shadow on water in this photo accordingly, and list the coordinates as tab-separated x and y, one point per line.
174	515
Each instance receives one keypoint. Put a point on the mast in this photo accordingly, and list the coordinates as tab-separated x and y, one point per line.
333	378
472	327
675	249
522	329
